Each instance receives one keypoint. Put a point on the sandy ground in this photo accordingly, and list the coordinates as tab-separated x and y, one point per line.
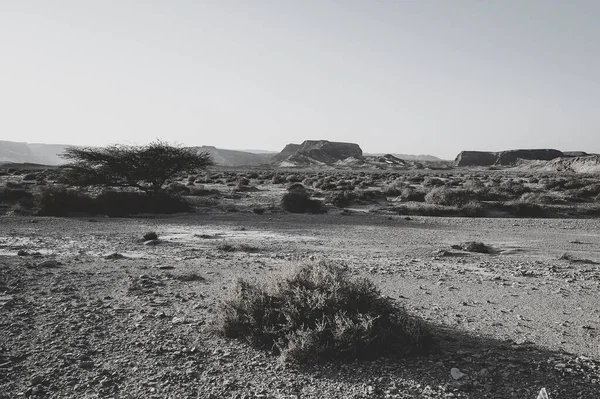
512	322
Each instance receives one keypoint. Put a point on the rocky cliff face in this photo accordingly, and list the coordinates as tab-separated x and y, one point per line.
317	152
511	157
504	158
234	158
43	154
287	152
476	158
584	164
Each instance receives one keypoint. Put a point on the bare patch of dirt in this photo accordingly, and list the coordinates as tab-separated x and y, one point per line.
511	322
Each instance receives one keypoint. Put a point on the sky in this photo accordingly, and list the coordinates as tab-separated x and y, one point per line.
394	76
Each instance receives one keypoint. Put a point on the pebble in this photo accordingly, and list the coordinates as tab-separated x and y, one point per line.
456	373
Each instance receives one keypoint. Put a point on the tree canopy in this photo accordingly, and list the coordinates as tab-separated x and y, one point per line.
146	167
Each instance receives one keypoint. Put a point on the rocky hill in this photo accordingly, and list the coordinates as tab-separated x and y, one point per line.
19	152
317	152
48	154
505	158
410	157
584	164
223	157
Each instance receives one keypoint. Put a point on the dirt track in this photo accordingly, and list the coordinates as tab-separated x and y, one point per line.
513	321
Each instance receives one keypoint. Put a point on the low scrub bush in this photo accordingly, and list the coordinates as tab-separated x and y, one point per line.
412	195
299	201
319	313
60	201
448	197
13	195
118	203
433	182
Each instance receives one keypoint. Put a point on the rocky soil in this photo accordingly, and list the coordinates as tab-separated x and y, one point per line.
87	309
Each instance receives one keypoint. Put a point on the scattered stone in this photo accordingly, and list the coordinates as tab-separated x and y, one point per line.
37	379
456	374
50	263
86	364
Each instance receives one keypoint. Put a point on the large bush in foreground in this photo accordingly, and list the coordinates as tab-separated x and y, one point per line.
319	313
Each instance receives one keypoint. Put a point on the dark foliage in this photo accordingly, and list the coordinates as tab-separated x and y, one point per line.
144	167
320	313
60	201
299	201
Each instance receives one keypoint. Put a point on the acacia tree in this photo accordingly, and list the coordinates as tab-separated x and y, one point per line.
145	167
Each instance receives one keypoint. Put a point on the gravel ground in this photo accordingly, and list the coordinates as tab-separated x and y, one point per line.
88	310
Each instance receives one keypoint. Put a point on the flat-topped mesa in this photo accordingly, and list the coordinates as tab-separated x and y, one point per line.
512	156
505	158
476	158
288	151
318	152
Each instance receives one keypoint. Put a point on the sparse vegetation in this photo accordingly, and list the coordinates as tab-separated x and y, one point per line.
144	167
320	313
300	201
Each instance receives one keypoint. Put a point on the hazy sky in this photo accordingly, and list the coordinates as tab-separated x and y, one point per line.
409	76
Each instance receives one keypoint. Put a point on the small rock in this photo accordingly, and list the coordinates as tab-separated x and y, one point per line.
456	373
86	364
115	256
37	379
50	263
22	252
484	373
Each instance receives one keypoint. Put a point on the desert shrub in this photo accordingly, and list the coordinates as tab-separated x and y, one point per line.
59	201
523	209
13	195
118	203
539	198
278	179
410	194
514	188
473	184
422	209
448	197
587	192
341	199
474	246
473	209
319	313
293	179
12	184
433	182
177	188
296	186
394	188
30	177
243	181
299	201
200	191
149	236
416	179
